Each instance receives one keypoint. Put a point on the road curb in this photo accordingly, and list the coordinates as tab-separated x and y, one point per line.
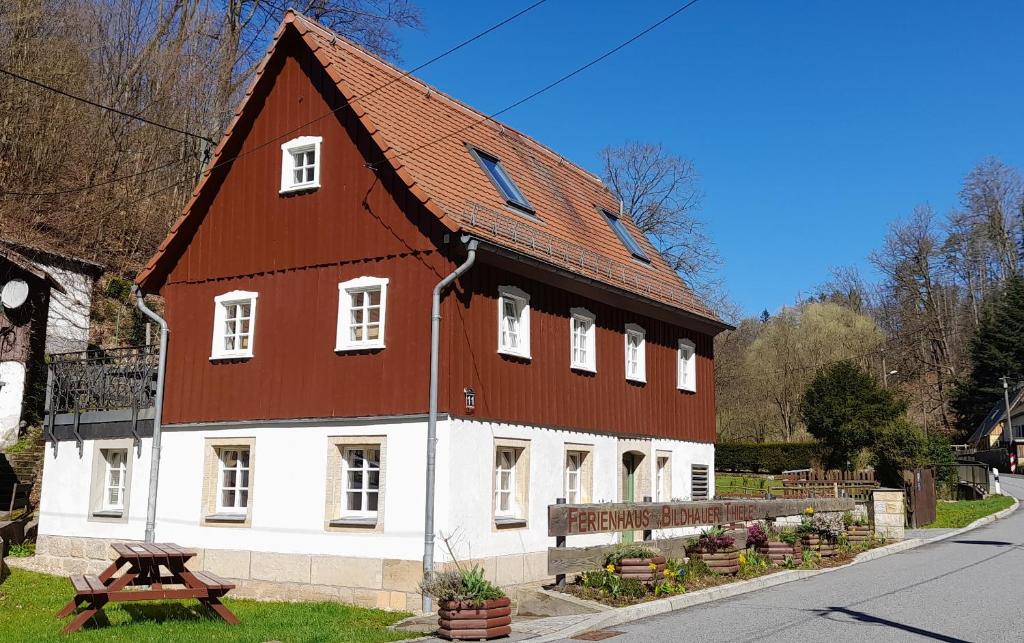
621	615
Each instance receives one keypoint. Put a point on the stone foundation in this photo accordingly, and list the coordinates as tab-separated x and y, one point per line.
388	584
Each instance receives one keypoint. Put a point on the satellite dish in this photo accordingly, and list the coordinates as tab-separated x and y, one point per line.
14	293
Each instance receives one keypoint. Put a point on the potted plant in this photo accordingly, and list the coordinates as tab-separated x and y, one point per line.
469	606
858	530
716	549
829	528
808	534
637	561
773	543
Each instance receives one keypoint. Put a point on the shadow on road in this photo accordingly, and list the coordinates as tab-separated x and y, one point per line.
994	543
864	617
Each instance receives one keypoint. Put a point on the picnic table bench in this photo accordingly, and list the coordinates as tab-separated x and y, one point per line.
151	568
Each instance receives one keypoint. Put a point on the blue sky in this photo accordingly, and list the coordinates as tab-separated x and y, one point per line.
813	124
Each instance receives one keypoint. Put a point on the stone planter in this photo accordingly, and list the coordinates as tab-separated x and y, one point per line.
856	534
776	551
463	621
640	568
723	561
814	542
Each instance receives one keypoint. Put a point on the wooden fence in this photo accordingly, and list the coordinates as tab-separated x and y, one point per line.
817	483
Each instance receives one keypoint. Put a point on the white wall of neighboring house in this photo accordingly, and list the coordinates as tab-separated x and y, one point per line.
12	390
67	325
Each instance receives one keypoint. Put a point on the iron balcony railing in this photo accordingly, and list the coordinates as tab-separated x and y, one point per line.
101	383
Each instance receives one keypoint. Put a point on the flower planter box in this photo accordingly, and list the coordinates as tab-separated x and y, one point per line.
640	568
777	551
815	542
723	561
463	621
859	534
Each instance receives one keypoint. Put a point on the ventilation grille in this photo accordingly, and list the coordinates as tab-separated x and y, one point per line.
699	481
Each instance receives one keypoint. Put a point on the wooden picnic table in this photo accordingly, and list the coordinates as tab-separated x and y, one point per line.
151	568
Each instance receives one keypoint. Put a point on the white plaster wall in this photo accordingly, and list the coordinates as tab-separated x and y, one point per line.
12	389
67	326
289	488
64	501
287	500
470	472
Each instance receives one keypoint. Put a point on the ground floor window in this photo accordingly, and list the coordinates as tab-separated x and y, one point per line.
511	483
699	481
663	478
111	480
228	481
356	467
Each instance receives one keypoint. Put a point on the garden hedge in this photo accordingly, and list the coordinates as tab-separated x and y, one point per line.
769	457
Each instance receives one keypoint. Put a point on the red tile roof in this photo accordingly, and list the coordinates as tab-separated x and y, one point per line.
424	133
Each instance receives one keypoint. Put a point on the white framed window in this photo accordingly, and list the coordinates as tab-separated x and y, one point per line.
662	479
582	340
686	367
300	164
362	304
361	481
513	322
114	476
234	322
636	353
574	477
505	482
233	480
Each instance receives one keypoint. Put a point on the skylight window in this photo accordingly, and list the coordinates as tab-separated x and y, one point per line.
623	233
501	180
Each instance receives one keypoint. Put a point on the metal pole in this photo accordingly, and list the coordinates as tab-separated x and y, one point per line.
647	532
1008	427
560	543
435	339
154	467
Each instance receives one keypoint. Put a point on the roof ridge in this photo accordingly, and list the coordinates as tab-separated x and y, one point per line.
403	75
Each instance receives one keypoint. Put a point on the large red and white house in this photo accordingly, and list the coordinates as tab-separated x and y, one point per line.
572	362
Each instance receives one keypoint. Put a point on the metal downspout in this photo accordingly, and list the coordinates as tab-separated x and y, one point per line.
154	467
435	339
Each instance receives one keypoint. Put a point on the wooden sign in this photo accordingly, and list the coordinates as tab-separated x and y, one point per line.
572	520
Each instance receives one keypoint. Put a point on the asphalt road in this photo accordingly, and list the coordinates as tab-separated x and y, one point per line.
967	588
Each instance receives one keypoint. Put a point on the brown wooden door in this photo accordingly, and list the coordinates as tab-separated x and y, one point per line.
920	488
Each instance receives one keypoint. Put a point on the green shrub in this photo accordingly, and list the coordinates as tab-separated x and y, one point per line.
697	568
632	588
898	445
771	457
467	585
22	550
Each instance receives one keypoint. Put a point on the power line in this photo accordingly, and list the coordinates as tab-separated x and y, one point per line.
101	106
91	186
553	84
403	75
231	160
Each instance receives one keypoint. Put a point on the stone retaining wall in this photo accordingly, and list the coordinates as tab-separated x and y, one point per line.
368	582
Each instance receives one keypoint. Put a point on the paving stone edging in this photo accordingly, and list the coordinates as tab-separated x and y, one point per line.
620	615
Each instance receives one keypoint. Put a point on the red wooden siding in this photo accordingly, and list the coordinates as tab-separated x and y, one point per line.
545	391
294	250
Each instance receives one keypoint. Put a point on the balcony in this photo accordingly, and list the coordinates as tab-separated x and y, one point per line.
100	394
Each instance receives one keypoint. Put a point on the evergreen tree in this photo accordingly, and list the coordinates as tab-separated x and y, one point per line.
997	349
844	408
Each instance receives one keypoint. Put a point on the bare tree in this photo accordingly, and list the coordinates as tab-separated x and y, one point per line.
660	192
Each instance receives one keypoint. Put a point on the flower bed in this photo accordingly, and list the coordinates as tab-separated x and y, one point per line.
769	550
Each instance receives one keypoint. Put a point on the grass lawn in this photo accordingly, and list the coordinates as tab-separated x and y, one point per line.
963	512
28	602
727	481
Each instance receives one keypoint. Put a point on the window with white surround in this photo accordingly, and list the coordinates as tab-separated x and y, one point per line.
582	340
115	474
513	322
233	480
362	304
300	164
234	322
686	376
636	354
662	479
361	480
573	477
